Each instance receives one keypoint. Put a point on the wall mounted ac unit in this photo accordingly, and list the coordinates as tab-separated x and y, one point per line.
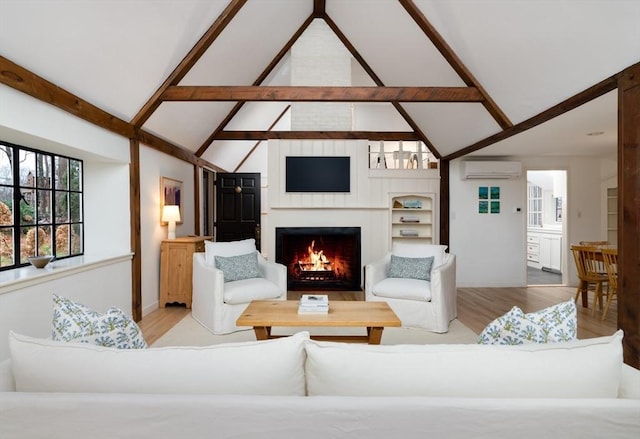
491	170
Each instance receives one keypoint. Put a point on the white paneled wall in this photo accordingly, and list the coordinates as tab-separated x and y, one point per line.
366	206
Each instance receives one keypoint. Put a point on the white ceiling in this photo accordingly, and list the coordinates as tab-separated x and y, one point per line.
528	55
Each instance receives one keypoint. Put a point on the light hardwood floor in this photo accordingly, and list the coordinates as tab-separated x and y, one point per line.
476	308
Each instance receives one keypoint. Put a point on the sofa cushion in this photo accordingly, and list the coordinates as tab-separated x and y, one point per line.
271	367
415	250
238	267
399	288
76	322
226	249
410	268
554	324
577	369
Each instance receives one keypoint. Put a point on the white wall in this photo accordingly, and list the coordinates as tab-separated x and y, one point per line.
490	248
101	278
153	166
366	206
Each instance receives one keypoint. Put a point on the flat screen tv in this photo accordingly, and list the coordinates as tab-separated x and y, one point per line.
318	174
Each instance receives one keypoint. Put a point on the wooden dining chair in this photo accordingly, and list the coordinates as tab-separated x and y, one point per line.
610	259
595	243
592	273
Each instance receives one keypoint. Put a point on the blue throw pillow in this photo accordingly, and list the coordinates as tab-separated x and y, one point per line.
238	267
410	268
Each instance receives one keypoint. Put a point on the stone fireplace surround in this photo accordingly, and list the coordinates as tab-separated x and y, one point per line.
320	258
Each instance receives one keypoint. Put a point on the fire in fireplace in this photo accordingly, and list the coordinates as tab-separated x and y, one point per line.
320	258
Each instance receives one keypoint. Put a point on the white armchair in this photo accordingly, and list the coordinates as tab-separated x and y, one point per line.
217	304
418	303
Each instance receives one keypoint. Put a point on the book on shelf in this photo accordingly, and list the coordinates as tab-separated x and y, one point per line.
408	232
409	219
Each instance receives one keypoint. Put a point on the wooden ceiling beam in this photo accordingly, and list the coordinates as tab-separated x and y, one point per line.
189	61
272	65
311	135
255	146
319	8
455	62
593	92
367	68
25	81
21	79
321	94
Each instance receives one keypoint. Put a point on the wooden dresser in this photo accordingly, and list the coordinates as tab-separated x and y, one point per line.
176	268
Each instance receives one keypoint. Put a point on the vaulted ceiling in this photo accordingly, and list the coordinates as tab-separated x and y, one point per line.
212	77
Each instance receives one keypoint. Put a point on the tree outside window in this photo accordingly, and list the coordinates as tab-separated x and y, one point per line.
47	190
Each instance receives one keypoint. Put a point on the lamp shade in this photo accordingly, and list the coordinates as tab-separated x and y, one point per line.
171	213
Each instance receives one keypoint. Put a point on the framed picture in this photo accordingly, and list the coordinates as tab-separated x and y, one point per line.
171	193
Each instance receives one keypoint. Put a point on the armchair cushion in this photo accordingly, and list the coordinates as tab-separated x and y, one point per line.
226	249
413	250
403	288
246	290
411	268
238	267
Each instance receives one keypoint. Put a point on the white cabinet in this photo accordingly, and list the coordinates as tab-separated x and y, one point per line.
551	251
544	250
412	217
533	249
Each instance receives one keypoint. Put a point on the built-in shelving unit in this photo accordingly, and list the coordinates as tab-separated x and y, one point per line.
412	217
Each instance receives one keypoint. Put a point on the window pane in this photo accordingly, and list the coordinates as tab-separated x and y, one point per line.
6	201
62	240
62	203
29	242
43	171
6	247
27	168
27	214
75	180
75	207
6	168
44	207
76	239
62	173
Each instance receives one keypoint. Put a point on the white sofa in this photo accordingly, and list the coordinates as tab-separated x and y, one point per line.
429	305
297	388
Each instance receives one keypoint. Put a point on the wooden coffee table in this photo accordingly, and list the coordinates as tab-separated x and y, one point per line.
265	314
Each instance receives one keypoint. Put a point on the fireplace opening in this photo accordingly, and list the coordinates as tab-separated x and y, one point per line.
320	258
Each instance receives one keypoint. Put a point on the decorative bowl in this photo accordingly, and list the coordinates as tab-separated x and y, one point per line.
40	261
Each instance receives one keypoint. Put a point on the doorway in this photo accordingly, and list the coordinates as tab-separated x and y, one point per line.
546	234
237	207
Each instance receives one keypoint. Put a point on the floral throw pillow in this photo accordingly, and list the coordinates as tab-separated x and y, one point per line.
555	324
78	323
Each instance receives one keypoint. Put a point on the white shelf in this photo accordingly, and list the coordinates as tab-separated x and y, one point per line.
420	212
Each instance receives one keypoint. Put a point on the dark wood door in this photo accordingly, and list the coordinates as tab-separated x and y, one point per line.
238	207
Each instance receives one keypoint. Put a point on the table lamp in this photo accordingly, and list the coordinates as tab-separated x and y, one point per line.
171	214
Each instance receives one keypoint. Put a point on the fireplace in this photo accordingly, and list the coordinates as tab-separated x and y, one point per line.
320	258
